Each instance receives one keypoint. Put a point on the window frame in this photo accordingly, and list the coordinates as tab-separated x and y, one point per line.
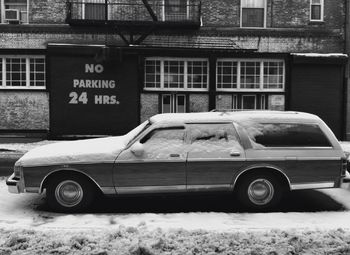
185	74
312	147
2	7
174	105
241	16
94	2
164	11
3	75
261	75
321	11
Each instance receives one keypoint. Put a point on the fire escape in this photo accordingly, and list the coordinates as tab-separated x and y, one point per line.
134	20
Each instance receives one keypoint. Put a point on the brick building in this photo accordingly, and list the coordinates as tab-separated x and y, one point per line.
96	67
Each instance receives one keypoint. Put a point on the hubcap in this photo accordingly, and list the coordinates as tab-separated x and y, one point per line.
69	193
260	192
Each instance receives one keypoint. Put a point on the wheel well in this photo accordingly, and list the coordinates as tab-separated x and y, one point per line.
265	170
60	173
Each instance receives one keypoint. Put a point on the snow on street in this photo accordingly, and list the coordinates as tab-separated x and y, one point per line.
24	211
27	228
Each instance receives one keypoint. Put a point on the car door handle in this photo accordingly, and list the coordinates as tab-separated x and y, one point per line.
235	153
174	155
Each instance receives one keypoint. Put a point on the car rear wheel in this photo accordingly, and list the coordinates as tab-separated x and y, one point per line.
259	191
69	193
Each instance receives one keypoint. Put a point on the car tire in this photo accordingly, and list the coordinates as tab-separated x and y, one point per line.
69	193
259	191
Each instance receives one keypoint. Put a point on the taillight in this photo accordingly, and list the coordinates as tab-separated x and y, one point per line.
345	166
17	170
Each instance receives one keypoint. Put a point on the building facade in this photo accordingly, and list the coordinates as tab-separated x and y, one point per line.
98	67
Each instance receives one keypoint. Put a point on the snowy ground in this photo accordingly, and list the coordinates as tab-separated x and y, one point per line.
26	227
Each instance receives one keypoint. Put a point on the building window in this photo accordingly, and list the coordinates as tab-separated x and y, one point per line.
175	10
227	74
173	103
176	74
316	10
14	11
22	72
273	75
253	13
250	75
249	102
152	74
94	9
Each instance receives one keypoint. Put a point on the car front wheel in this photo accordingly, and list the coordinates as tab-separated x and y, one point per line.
260	191
69	193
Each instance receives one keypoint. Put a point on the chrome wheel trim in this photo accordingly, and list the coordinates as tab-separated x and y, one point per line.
260	191
69	193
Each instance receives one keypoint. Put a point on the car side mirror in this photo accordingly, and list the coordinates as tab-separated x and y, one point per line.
137	149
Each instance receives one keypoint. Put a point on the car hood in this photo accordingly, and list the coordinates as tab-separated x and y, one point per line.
81	151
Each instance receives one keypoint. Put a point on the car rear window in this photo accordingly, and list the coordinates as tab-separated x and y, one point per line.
288	135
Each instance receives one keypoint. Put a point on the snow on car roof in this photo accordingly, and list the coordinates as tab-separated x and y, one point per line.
221	116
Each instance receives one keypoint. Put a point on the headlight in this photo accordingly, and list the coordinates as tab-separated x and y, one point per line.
17	170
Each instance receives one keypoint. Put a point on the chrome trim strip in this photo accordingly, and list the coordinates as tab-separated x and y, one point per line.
72	163
254	167
312	185
108	190
296	148
228	159
318	158
151	189
140	161
66	169
267	159
294	158
208	187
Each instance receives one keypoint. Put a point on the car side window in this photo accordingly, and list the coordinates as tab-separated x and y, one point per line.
288	135
164	135
162	142
213	137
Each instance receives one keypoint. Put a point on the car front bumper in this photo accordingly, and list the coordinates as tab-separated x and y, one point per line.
15	184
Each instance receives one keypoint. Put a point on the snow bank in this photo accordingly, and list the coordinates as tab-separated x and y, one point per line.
140	241
26	229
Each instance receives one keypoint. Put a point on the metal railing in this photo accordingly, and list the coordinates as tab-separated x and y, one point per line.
123	11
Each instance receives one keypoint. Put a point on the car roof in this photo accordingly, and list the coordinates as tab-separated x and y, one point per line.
237	116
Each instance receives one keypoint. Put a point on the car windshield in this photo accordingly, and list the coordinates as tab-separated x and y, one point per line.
137	131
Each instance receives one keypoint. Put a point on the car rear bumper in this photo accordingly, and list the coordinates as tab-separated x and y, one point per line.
14	184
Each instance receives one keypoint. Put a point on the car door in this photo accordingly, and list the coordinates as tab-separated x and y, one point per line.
214	155
155	163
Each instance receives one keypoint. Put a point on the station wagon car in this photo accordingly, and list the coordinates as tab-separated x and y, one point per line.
256	155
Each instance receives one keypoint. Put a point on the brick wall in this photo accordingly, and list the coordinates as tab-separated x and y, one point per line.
296	13
199	103
279	13
47	12
277	44
223	13
24	110
149	106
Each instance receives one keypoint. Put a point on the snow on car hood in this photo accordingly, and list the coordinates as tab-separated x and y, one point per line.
81	151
